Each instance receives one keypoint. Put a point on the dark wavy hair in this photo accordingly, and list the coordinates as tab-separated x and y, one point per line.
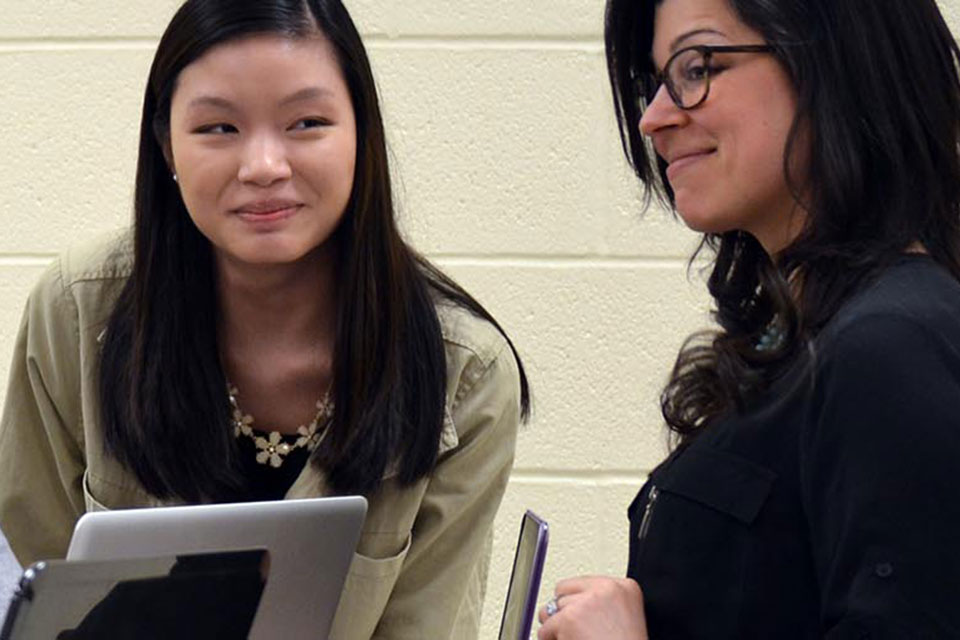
161	383
879	114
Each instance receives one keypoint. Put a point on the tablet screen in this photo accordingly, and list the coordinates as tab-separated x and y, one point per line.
213	595
524	587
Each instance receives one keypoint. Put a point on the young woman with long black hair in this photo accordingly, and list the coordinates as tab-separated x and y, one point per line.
265	333
812	491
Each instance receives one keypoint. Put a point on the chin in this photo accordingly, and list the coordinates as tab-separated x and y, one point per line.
703	220
266	255
701	223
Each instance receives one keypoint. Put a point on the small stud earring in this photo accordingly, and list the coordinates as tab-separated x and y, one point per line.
175	178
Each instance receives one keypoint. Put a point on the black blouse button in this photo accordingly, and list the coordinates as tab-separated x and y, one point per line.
883	570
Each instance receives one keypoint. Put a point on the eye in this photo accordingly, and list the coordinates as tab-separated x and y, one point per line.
309	123
696	72
216	129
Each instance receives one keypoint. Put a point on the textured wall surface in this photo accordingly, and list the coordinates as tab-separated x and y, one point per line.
509	175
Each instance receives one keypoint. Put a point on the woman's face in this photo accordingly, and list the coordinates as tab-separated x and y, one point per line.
725	156
263	142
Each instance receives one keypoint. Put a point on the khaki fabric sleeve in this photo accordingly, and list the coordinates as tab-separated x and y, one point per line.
41	447
439	591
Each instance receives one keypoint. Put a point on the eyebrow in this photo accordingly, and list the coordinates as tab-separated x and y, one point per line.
212	101
307	93
679	40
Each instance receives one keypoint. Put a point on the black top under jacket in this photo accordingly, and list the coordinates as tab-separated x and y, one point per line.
831	509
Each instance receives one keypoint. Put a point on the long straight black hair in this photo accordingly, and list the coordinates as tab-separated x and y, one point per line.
164	407
878	97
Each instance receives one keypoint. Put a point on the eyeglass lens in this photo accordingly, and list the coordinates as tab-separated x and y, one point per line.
686	76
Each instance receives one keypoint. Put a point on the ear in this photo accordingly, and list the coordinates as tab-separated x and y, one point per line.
167	149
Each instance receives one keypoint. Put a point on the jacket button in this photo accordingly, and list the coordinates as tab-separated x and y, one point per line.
883	570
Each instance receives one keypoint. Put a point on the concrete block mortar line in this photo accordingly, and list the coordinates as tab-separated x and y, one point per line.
463	260
467	42
44	45
579	477
587	261
26	259
485	43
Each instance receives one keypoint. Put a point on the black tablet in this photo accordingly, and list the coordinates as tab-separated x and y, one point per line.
209	595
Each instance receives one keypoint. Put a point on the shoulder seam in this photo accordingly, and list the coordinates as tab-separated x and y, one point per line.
68	298
463	390
99	275
486	350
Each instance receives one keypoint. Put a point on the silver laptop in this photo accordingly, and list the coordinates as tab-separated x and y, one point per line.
311	544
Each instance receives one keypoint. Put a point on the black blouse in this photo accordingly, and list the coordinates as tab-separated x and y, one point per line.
832	508
264	481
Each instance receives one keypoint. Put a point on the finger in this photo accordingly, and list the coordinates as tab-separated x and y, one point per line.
550	629
545	611
632	587
542	614
579	584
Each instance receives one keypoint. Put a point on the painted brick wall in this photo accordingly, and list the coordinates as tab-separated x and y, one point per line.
509	175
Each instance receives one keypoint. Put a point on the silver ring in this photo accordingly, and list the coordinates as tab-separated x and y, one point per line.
552	607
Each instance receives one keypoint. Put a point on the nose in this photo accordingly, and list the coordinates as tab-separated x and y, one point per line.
264	161
661	113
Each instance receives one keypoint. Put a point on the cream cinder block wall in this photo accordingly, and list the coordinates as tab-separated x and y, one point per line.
509	175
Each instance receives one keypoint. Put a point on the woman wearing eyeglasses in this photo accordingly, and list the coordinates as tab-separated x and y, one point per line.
812	491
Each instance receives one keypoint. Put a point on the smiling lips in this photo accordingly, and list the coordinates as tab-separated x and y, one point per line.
267	210
683	160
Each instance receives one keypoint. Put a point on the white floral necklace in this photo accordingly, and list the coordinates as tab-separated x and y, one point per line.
272	449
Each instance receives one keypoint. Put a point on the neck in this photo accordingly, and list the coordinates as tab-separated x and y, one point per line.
270	307
781	233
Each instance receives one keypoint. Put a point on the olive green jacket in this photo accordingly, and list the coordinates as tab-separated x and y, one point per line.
421	564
